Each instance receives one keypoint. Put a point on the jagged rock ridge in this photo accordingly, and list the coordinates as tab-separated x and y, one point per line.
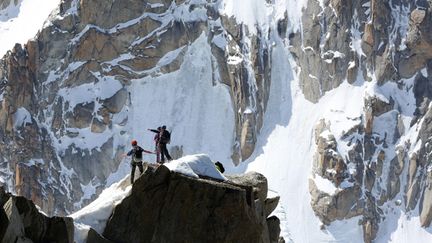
21	221
236	210
167	206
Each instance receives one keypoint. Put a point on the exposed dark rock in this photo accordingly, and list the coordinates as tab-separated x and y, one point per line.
95	237
270	205
426	203
385	56
422	93
369	179
210	211
273	224
370	229
252	179
282	26
20	220
3	223
380	161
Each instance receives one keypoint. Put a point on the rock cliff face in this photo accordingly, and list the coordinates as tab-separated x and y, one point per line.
166	206
50	114
374	161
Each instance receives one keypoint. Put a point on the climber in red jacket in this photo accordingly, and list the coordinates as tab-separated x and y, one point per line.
137	158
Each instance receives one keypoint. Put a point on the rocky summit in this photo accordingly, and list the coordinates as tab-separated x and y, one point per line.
166	206
162	206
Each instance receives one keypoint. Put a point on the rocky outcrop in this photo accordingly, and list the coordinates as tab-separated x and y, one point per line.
426	203
209	211
328	162
270	204
418	41
360	184
343	204
254	180
274	230
323	48
21	221
244	62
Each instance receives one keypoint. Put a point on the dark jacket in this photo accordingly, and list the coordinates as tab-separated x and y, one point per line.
164	137
137	153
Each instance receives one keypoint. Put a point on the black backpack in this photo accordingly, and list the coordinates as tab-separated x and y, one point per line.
220	167
166	137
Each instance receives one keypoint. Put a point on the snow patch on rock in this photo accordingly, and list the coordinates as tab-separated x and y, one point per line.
195	166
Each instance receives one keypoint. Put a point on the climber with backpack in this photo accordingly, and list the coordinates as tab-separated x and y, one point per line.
164	139
156	140
137	158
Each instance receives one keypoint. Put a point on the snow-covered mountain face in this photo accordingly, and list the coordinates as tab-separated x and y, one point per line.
329	99
361	147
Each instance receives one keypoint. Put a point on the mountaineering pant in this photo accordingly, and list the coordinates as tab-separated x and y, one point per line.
134	165
157	149
164	152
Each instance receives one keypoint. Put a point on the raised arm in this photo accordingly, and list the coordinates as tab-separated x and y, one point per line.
153	130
